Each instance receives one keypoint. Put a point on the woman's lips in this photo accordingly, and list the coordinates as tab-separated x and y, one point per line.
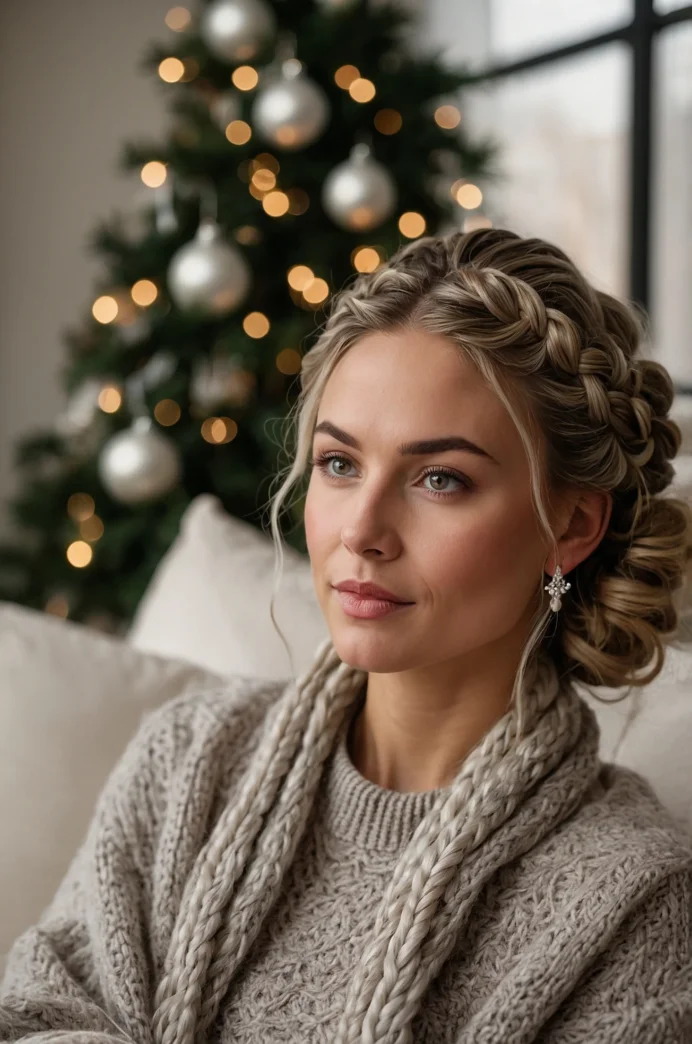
368	608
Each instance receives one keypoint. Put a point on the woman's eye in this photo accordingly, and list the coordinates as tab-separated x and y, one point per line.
323	463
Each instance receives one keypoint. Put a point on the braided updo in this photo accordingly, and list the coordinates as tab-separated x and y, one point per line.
563	358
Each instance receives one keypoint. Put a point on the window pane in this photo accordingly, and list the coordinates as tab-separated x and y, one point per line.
663	6
563	137
671	303
522	27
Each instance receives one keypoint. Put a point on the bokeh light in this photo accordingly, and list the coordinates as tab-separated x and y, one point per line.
79	554
411	224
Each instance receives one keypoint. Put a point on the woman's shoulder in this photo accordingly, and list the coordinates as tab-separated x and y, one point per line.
620	828
201	708
228	712
209	727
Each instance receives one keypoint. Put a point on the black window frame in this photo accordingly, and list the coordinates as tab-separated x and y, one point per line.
639	34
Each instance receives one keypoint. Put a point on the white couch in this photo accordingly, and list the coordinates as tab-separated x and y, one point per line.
71	697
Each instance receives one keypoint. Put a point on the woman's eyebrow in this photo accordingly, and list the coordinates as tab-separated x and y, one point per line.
421	447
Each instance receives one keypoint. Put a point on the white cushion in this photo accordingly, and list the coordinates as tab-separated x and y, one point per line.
656	739
70	699
210	597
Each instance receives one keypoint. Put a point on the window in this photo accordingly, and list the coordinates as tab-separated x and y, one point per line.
672	208
591	104
522	27
564	134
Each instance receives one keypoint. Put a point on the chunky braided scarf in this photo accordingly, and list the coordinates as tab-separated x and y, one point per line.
238	874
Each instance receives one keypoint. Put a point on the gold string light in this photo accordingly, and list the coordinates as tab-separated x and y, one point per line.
91	529
248	235
80	506
219	430
447	116
275	203
362	90
178	19
153	174
263	179
144	292
79	554
299	277
245	78
105	309
256	324
468	196
288	361
387	121
167	412
171	70
411	224
110	399
365	259
317	291
238	132
345	75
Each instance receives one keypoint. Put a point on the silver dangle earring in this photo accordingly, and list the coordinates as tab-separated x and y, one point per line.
557	587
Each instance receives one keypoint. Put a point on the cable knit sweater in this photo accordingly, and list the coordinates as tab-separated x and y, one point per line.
569	912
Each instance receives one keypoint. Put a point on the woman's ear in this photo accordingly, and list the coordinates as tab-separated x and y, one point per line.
587	520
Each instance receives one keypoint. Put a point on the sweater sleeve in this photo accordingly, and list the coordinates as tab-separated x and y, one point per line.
81	973
640	989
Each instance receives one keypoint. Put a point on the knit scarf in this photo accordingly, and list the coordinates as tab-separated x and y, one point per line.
238	873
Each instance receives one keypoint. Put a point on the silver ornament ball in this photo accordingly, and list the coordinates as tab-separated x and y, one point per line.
237	30
291	111
208	274
139	464
359	194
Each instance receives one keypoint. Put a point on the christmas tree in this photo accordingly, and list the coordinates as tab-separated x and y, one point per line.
306	143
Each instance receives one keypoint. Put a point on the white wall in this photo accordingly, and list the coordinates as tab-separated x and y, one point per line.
70	93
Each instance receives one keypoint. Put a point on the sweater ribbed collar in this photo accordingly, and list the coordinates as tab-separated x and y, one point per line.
355	809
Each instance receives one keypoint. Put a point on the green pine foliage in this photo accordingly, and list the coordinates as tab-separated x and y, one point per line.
34	568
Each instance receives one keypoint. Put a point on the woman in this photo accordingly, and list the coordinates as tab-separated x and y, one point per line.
416	840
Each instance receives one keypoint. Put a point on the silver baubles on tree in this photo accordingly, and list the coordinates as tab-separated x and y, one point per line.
237	30
359	194
209	274
291	111
139	464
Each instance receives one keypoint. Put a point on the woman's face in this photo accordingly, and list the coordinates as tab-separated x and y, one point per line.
465	548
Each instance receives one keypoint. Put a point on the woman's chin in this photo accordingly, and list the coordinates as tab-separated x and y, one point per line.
374	653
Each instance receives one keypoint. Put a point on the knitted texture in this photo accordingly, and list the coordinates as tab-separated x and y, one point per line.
241	882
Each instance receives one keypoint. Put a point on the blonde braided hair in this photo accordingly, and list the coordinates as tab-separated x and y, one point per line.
561	356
